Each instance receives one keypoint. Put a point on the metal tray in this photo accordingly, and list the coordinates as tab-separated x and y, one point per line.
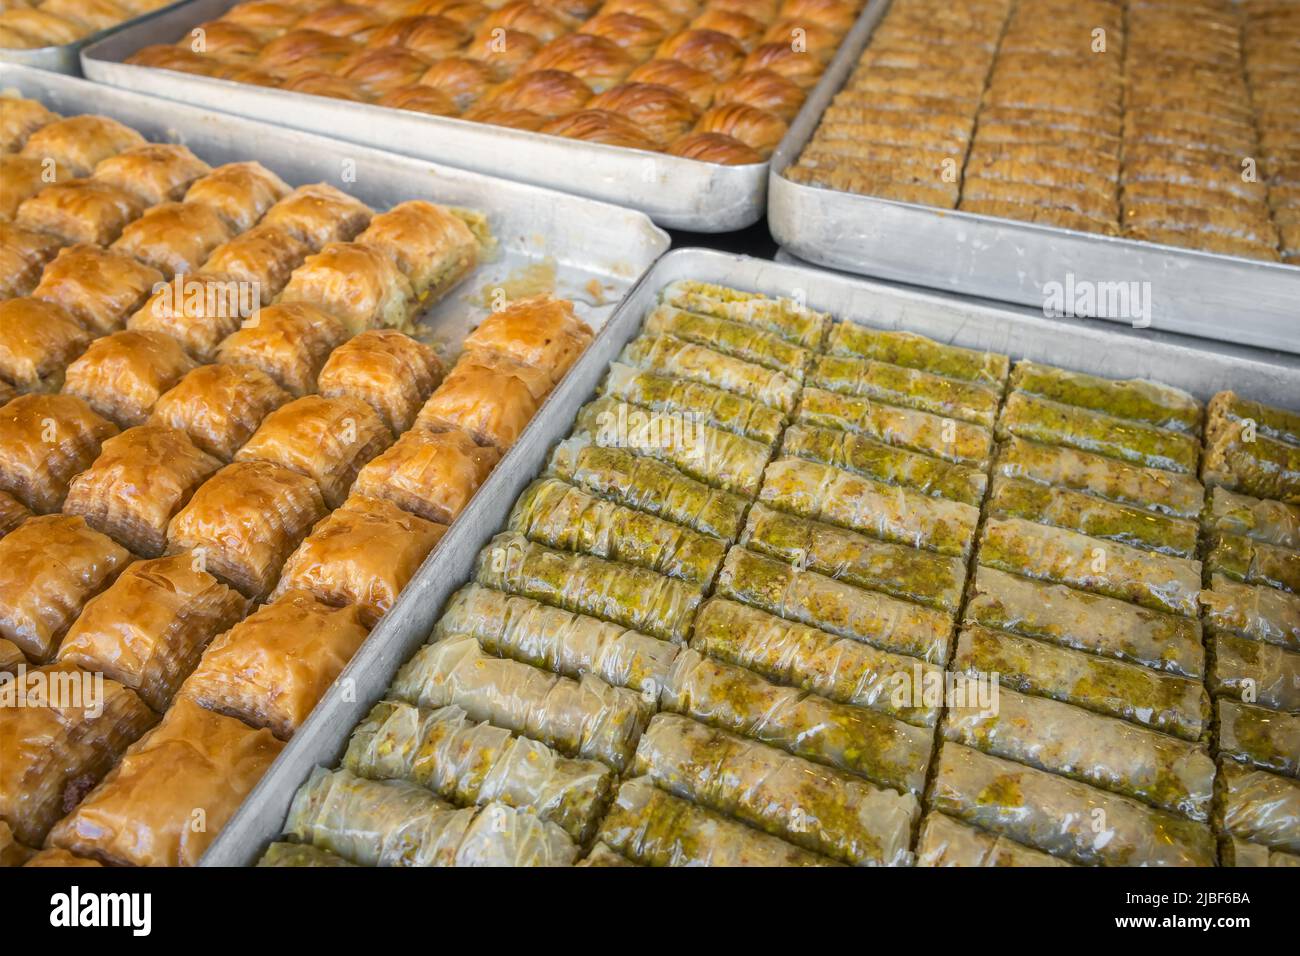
1084	346
1196	293
675	192
67	58
583	250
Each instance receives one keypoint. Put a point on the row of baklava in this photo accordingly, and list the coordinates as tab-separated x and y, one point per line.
1251	610
31	24
232	474
1130	118
717	80
1271	47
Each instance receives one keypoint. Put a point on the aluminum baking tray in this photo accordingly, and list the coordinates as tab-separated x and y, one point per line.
67	58
1195	293
583	250
1089	347
675	192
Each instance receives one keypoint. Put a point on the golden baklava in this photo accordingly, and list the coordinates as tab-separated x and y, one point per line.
288	341
391	371
80	210
81	143
23	255
433	246
38	340
154	173
320	214
199	311
174	237
99	288
263	257
490	396
356	283
122	376
430	474
240	192
19	118
540	332
23	178
220	406
44	441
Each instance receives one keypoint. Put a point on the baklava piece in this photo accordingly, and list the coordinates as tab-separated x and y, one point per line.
714	148
430	37
220	406
59	746
637	35
149	629
44	441
23	255
174	237
12	513
272	668
244	521
100	289
758	129
50	566
357	284
198	311
221	38
491	396
37	341
363	554
80	210
19	118
503	51
597	61
320	214
741	27
430	474
390	371
327	439
660	111
547	93
382	70
80	143
289	342
123	375
23	178
141	478
715	53
342	20
266	18
165	56
433	246
530	18
696	85
240	192
600	126
801	68
154	173
462	80
764	90
541	332
95	14
327	84
299	52
195	765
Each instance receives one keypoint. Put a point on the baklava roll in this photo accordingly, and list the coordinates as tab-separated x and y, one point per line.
648	485
1259	806
621	593
819	809
123	375
149	629
741	27
600	126
715	53
756	128
1260	737
1255	464
12	513
80	210
433	246
944	841
263	257
676	357
320	83
80	143
1260	519
419	99
740	340
1246	668
319	214
174	237
908	387
1228	408
801	68
26	28
1257	612
24	177
639	36
219	407
326	439
694	401
19	118
356	283
559	641
154	173
431	37
392	372
655	828
267	18
37	341
473	763
143	813
289	342
580	718
837	15
303	51
379	71
787	318
244	521
50	566
547	93
842	669
270	669
240	192
598	62
543	23
462	80
916	351
490	396
503	51
765	90
540	332
671	16
696	85
223	39
430	474
44	441
662	112
342	20
141	478
23	255
55	751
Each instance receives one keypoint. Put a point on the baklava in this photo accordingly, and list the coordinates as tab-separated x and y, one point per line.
80	210
390	371
382	70
600	126
319	214
362	554
100	289
220	406
19	118
540	332
430	474
637	35
428	36
240	192
715	53
23	178
141	478
174	237
80	143
342	20
462	80
263	257
598	62
271	669
44	441
12	513
37	341
356	283
419	99
696	85
547	93
288	341
199	311
23	255
194	766
660	111
491	396
433	246
122	375
303	51
154	173
149	629
50	566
